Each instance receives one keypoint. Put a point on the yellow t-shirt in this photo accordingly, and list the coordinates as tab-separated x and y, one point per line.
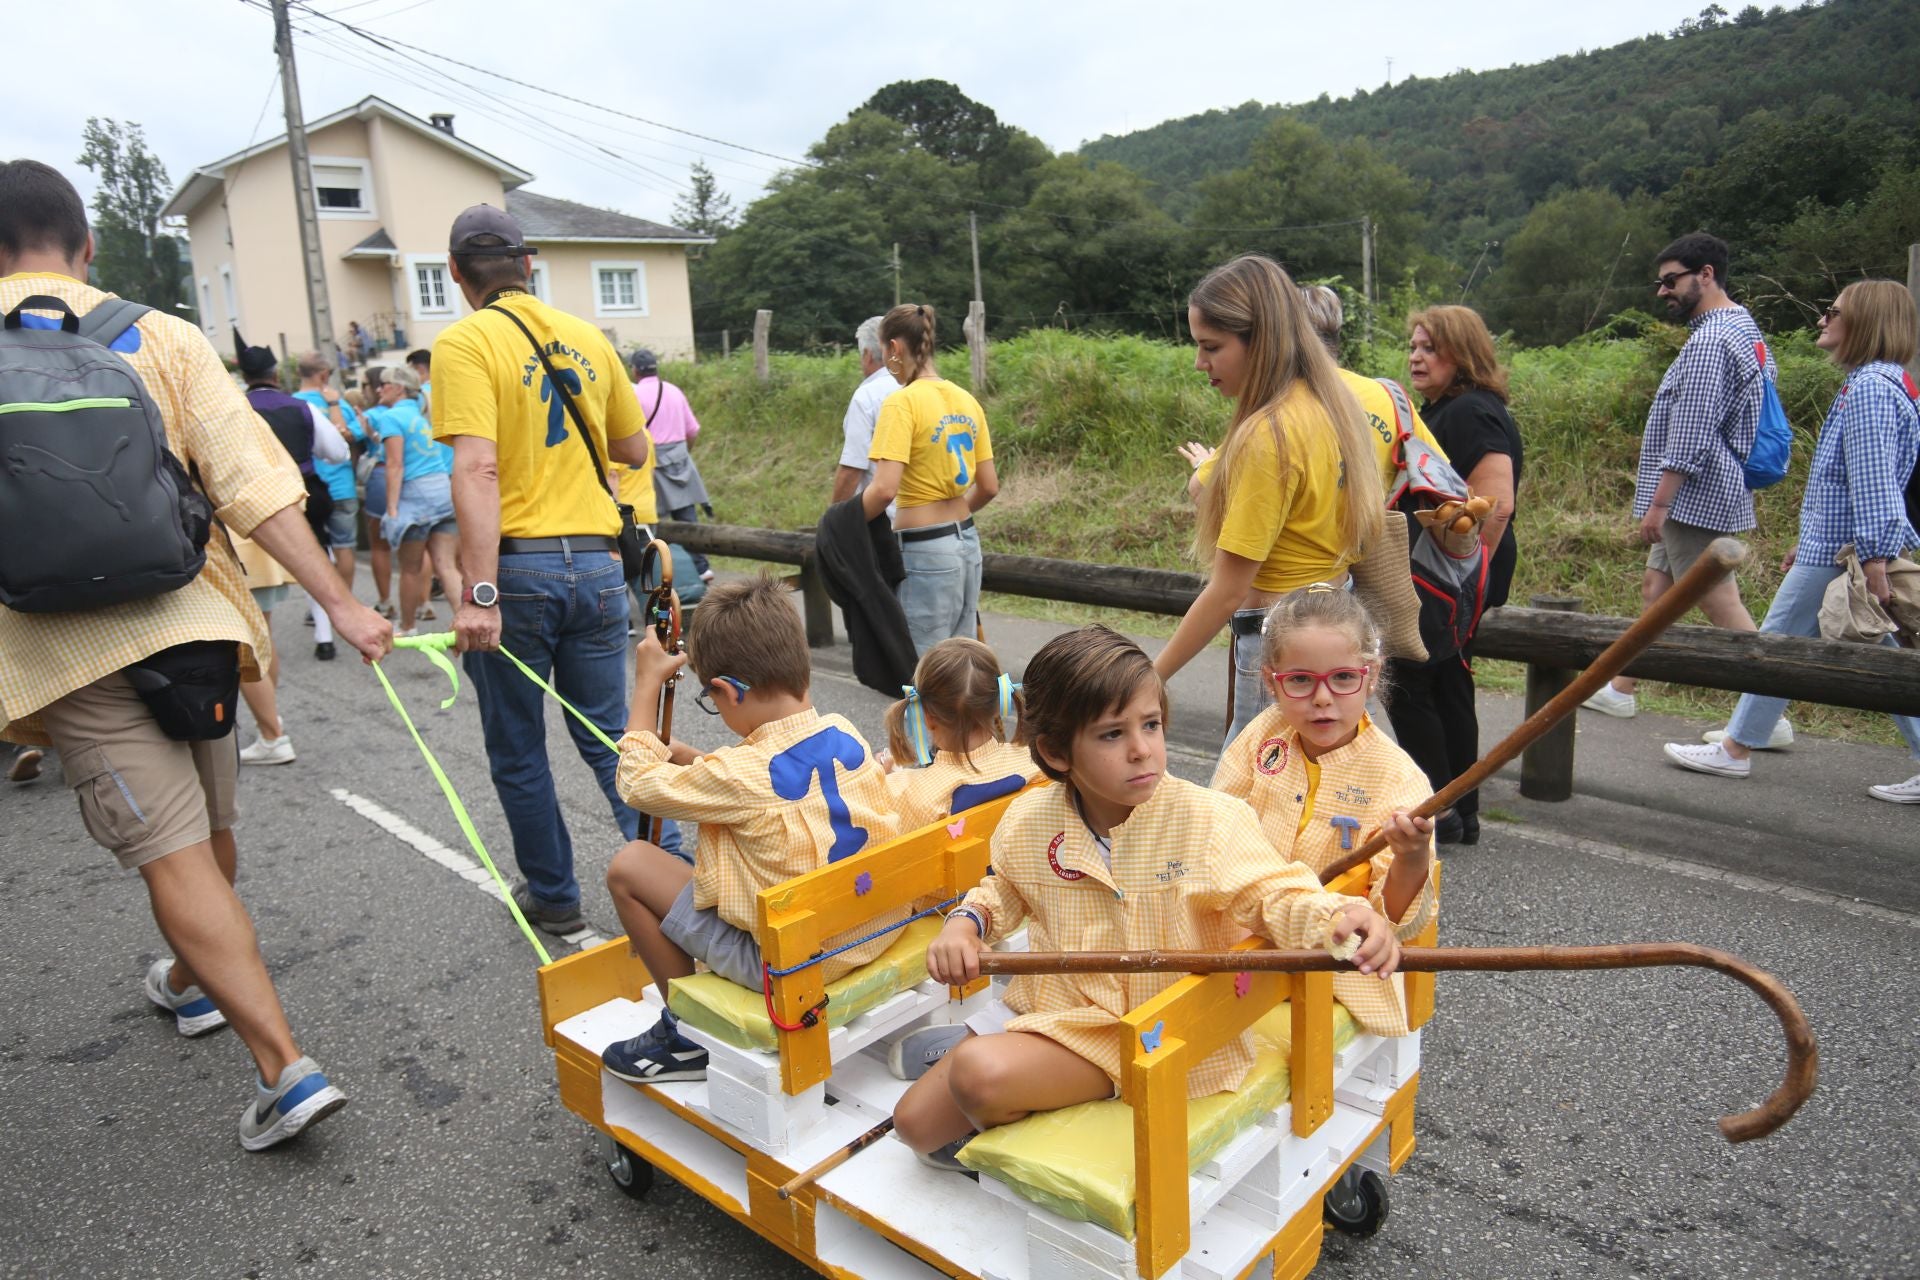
939	432
1377	403
487	382
636	487
1287	519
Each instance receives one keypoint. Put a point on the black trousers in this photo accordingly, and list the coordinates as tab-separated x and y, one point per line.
1431	709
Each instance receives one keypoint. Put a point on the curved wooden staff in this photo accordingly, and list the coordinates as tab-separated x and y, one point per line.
1803	1055
663	615
1722	557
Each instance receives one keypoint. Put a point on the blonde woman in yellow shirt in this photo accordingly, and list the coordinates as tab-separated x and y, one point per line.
933	457
1275	511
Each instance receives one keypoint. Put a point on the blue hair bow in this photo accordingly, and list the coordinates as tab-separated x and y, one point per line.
917	726
1007	689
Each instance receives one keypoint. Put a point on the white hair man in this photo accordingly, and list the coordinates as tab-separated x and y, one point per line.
862	412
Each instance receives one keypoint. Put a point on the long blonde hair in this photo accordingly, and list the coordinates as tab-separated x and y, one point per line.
1254	299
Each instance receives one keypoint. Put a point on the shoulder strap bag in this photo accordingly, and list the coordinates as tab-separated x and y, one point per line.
633	542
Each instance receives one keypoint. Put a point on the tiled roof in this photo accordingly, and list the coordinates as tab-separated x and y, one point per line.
548	218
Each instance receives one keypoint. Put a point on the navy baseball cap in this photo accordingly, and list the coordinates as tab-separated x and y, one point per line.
483	229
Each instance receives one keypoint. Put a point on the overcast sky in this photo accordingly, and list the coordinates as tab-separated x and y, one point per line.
773	76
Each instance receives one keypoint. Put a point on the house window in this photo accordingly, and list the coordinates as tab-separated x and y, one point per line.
342	187
620	288
206	305
539	282
430	282
232	295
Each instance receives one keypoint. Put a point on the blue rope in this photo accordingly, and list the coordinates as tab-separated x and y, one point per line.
877	933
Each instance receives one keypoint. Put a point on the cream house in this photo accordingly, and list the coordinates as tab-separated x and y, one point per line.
387	186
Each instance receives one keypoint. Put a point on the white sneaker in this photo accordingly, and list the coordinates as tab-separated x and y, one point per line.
1713	759
1610	701
193	1013
1907	792
1781	737
264	750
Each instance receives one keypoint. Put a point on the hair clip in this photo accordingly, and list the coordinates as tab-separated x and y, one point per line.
917	734
1316	588
1007	689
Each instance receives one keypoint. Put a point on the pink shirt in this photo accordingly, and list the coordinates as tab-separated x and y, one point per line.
673	421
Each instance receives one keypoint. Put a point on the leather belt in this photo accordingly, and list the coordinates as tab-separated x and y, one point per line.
1248	622
567	545
933	531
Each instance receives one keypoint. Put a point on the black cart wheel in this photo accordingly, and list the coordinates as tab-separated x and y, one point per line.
1356	1204
631	1174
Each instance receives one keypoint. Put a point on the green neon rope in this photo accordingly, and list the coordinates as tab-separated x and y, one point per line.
434	646
433	650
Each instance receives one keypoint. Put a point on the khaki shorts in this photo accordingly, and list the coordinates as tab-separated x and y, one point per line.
1679	546
142	794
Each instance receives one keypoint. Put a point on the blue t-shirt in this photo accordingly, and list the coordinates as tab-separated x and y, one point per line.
338	475
422	456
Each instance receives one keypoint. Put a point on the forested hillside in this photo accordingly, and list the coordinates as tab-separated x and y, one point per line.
1536	193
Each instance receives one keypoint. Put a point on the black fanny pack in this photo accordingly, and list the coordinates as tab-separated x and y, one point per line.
191	688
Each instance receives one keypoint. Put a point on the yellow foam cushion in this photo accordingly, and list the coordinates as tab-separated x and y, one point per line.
739	1016
1078	1161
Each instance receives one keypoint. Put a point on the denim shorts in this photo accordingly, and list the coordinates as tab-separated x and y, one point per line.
941	592
376	496
426	508
732	953
341	524
270	598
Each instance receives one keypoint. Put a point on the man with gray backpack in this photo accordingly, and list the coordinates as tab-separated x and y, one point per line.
125	628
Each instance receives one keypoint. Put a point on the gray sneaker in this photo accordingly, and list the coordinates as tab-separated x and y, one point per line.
300	1099
914	1054
558	921
947	1158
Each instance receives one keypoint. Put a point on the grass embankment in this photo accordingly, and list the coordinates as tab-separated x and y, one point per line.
1085	429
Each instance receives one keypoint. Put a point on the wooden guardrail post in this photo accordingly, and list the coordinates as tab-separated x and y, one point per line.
1546	767
816	604
762	321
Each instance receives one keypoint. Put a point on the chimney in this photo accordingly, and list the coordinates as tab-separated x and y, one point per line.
442	120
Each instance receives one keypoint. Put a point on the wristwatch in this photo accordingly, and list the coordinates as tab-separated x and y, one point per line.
484	594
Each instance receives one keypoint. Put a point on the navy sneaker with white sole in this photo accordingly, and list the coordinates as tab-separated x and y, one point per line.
193	1014
656	1056
300	1099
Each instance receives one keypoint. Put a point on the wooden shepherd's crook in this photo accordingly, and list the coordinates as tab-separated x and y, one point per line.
1803	1055
663	615
834	1161
1722	557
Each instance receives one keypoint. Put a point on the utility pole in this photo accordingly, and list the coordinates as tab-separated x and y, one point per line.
973	234
896	273
319	310
1366	269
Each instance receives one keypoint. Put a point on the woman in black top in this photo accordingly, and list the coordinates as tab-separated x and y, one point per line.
1451	363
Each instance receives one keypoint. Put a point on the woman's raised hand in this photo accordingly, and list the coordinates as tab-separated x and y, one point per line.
1195	453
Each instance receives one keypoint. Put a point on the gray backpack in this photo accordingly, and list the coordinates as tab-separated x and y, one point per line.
94	509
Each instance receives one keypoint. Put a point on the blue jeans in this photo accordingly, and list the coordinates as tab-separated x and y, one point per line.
1250	696
1795	611
941	592
565	616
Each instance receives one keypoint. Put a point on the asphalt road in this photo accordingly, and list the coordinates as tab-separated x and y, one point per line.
1565	1124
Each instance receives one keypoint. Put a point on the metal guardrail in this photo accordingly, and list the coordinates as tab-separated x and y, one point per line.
1552	637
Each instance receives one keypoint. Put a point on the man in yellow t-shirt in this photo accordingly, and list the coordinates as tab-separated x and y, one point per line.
537	537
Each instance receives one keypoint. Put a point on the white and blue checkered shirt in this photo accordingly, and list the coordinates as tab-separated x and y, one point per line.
1860	468
1703	422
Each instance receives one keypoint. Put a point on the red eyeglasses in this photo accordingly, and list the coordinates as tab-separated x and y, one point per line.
1342	682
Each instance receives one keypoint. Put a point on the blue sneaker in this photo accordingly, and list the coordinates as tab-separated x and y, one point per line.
656	1055
193	1014
301	1098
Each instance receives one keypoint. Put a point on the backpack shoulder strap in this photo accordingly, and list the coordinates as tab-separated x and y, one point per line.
1402	408
106	322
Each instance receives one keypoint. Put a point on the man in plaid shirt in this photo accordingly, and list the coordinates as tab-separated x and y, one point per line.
1691	485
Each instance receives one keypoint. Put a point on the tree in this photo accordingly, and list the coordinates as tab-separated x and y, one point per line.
943	120
1578	258
132	256
705	208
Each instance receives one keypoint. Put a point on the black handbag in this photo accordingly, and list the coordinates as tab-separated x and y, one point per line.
632	539
191	688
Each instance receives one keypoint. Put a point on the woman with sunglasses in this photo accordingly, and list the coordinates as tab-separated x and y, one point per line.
1855	496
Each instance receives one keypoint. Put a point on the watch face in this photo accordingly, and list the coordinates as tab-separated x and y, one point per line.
485	594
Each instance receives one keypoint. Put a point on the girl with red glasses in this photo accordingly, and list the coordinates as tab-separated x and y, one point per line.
1323	779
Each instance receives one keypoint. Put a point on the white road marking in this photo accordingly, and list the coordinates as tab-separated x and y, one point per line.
452	859
1714	875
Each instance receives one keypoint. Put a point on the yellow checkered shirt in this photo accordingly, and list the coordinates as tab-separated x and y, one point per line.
763	812
1190	871
1366	781
924	796
247	474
